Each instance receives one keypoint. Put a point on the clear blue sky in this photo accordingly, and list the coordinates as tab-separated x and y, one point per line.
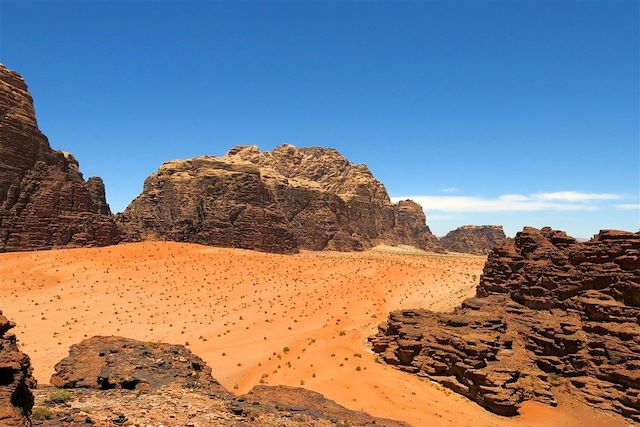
515	113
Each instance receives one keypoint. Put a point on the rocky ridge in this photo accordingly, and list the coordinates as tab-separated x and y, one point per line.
16	382
548	310
279	201
473	239
108	381
44	200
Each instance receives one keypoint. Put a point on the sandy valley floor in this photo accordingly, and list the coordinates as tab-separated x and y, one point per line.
299	320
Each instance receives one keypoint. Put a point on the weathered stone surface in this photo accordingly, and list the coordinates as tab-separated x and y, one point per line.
44	200
123	363
16	381
548	308
474	239
279	201
315	405
123	381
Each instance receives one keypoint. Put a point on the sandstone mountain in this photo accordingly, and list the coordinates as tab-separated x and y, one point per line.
549	311
16	381
44	201
279	201
473	239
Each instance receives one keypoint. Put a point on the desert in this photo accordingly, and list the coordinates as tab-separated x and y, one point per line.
257	318
315	214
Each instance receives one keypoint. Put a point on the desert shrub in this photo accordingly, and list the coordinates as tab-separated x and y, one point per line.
59	397
41	413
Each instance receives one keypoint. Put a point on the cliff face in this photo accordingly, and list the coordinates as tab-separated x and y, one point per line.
16	381
473	239
549	310
279	201
44	200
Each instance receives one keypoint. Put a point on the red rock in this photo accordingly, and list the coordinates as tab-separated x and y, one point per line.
123	363
279	201
44	200
547	306
16	381
474	239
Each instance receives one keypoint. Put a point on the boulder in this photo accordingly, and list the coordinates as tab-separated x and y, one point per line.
112	362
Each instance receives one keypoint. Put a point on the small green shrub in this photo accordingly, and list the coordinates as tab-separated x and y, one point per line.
40	413
59	397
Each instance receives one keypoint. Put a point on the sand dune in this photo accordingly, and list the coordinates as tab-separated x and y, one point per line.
298	320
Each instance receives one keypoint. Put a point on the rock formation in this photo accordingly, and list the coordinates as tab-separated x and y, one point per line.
116	362
120	381
300	400
473	239
279	201
548	310
16	381
44	201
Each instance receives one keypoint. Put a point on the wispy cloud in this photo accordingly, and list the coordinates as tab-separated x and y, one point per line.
629	206
449	190
560	201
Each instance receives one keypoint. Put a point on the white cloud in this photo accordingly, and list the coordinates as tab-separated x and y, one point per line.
630	206
449	190
561	201
575	196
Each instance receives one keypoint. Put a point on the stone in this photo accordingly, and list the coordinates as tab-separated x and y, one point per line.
547	308
108	362
16	380
473	239
279	201
301	401
44	200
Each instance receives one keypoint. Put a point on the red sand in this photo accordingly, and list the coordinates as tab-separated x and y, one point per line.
298	320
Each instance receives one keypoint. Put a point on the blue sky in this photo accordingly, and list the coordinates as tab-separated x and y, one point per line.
515	113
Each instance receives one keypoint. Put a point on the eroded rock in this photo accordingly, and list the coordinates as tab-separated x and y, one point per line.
302	401
122	363
474	239
44	200
278	201
547	308
16	381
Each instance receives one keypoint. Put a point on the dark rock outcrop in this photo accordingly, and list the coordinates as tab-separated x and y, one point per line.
474	239
120	381
123	363
548	309
44	200
16	381
299	400
279	201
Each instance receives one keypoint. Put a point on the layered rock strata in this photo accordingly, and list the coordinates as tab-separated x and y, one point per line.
279	201
474	239
548	309
16	381
44	200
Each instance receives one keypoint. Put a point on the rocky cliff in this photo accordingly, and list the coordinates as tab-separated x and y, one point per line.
279	201
549	310
473	239
16	381
44	200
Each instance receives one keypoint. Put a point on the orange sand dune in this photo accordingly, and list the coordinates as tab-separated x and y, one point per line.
256	317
